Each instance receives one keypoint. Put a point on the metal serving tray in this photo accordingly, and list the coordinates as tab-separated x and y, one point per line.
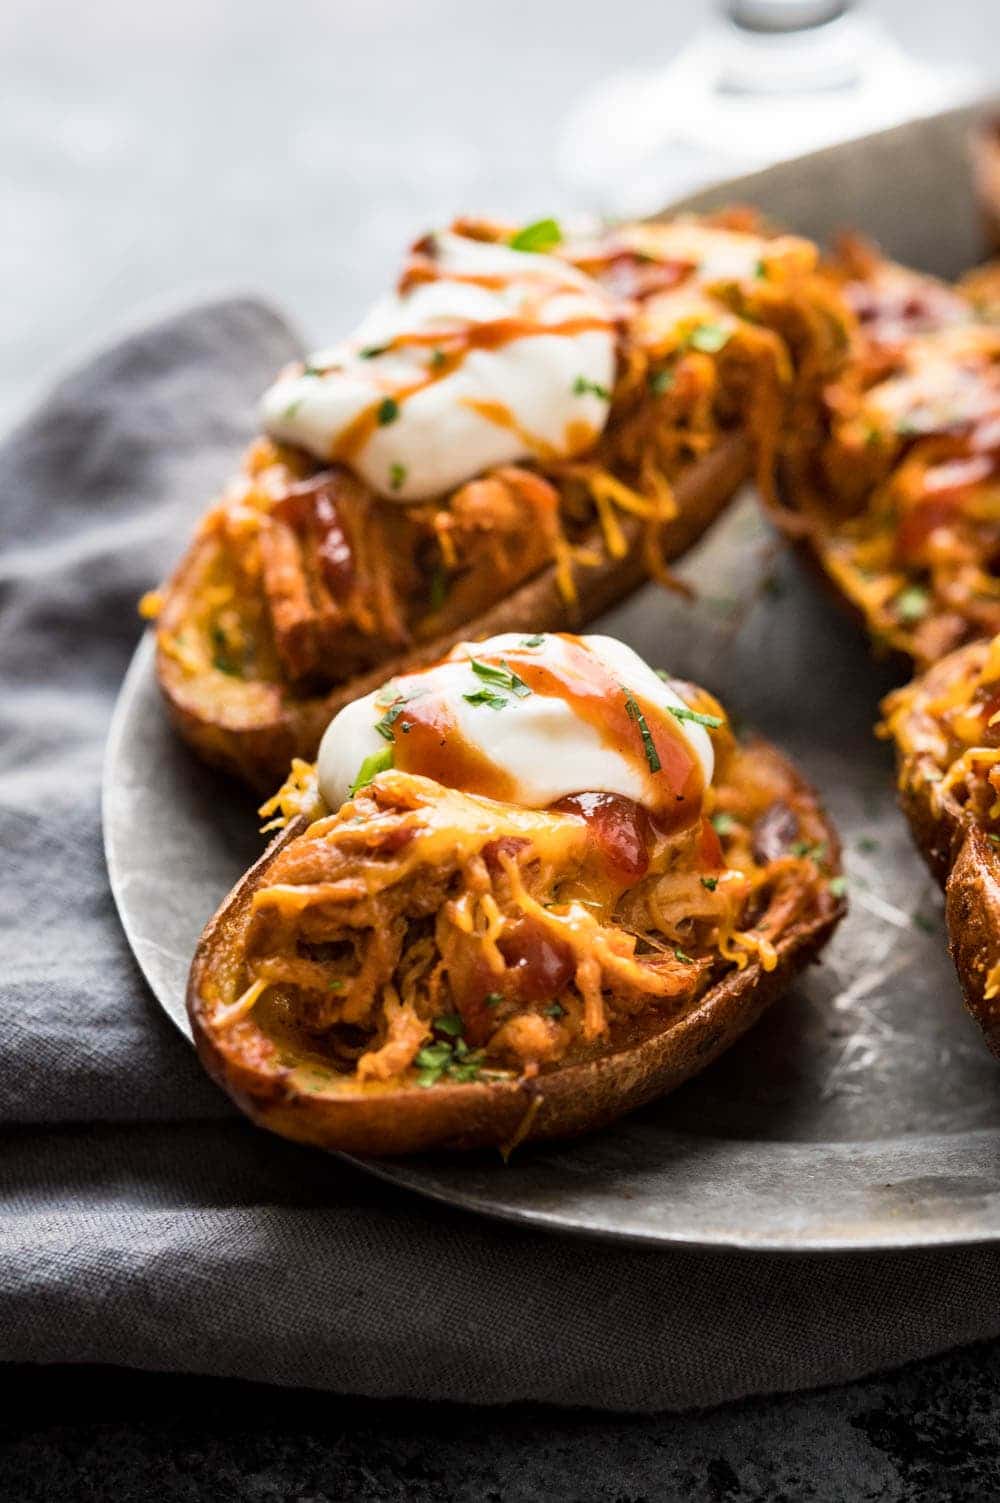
864	1110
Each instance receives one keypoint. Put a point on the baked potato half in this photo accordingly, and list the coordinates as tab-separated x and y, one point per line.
428	968
896	502
319	574
945	727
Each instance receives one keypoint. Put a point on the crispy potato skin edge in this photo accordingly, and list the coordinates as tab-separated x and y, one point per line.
378	1121
967	865
259	752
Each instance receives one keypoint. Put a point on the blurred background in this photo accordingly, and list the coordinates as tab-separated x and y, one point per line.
155	153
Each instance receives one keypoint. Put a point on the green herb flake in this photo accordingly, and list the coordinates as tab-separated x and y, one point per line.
581	386
710	883
924	924
661	382
867	844
912	604
499	682
723	823
440	585
370	768
760	271
370	351
679	712
648	744
837	886
536	641
708	338
388	411
993	839
292	409
541	236
684	959
336	985
437	360
392	714
451	1024
807	848
493	999
397	475
555	1010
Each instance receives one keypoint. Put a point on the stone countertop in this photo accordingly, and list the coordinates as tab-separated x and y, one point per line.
928	1432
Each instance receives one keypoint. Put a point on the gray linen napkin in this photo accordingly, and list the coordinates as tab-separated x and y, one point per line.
144	1223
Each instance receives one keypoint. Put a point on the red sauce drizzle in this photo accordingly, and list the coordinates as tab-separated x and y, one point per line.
428	741
310	505
619	829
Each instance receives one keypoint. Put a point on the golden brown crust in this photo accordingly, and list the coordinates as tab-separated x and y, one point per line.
972	912
959	852
375	1118
254	728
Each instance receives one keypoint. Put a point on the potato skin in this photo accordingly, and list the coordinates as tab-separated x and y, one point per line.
377	1119
972	912
961	857
254	730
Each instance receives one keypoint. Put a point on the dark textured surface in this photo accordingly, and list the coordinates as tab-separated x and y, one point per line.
930	1432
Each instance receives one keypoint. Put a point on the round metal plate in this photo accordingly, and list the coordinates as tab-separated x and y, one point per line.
862	1112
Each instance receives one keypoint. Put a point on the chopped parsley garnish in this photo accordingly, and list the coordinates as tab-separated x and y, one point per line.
397	475
648	744
388	411
912	604
438	358
292	408
536	641
661	381
723	823
499	683
493	999
806	848
684	959
760	271
377	762
222	658
449	1056
710	883
440	584
837	886
314	370
873	436
539	237
336	985
371	350
392	714
681	712
867	844
581	386
708	338
555	1010
993	839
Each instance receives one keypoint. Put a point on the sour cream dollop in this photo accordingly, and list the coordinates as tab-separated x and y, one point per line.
530	720
486	356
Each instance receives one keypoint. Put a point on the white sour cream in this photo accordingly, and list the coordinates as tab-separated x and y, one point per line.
442	410
538	741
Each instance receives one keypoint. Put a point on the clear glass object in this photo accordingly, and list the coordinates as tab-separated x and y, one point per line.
762	81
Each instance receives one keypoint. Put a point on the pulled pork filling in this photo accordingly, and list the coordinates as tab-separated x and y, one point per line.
308	577
946	727
901	498
432	935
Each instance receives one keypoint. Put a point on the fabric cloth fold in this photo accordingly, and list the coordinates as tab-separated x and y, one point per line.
144	1223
